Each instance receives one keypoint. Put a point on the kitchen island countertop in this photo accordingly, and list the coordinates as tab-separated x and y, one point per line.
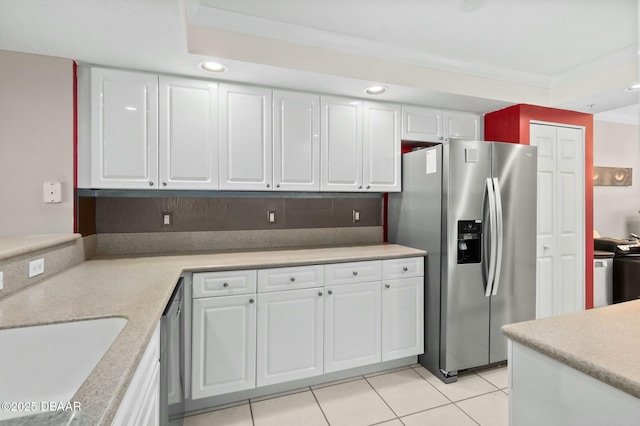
603	343
137	288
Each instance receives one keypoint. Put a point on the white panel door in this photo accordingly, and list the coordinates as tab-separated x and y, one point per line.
245	138
223	345
188	134
124	129
560	241
290	335
296	141
462	125
570	219
381	147
402	318
352	335
341	144
422	124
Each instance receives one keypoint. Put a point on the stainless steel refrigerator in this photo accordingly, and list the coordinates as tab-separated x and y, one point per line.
472	206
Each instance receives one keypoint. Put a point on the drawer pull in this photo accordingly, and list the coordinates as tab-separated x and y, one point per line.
251	300
405	269
319	293
355	273
330	292
293	279
225	285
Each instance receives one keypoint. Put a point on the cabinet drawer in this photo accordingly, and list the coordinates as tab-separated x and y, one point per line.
277	279
207	284
353	272
402	268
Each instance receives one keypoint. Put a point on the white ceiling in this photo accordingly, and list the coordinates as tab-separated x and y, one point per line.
469	55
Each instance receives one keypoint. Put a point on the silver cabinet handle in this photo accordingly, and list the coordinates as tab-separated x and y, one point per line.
278	186
319	293
355	273
251	300
368	186
268	186
330	292
386	286
545	248
293	279
405	269
225	285
360	187
150	183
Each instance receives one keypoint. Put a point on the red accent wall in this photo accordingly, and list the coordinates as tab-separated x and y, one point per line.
512	125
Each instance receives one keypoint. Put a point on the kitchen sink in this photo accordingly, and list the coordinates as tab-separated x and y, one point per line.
49	363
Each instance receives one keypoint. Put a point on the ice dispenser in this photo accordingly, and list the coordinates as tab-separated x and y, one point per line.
469	241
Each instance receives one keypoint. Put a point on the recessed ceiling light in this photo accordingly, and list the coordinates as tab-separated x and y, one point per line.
213	67
633	88
375	90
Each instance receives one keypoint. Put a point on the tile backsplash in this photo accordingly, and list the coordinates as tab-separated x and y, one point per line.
114	214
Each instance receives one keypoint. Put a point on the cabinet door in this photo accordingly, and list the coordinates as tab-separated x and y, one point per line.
296	141
402	318
463	126
188	134
352	326
124	129
381	147
289	335
341	144
245	138
223	345
422	124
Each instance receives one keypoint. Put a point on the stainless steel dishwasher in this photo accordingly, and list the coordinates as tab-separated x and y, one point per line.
172	359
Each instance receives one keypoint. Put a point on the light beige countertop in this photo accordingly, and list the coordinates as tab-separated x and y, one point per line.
15	245
138	288
603	343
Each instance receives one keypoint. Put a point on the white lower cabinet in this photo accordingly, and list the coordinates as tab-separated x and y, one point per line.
352	326
141	402
290	330
304	321
402	318
223	345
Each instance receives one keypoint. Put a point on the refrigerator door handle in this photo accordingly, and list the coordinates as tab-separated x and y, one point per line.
499	235
492	235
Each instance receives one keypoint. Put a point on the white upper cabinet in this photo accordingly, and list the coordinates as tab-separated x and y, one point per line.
422	124
188	134
296	141
432	125
245	138
360	143
341	141
381	151
462	125
124	129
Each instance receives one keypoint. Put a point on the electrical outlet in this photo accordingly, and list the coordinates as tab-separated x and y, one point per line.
36	267
1	280
167	219
271	216
356	216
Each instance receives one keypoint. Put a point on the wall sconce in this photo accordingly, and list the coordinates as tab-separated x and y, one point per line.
612	176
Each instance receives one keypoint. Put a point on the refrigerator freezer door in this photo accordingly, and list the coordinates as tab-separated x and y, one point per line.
465	309
515	168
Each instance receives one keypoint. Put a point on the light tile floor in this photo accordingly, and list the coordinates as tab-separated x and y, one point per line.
408	396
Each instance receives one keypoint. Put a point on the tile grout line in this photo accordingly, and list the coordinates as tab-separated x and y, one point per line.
253	422
467	414
319	406
383	400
